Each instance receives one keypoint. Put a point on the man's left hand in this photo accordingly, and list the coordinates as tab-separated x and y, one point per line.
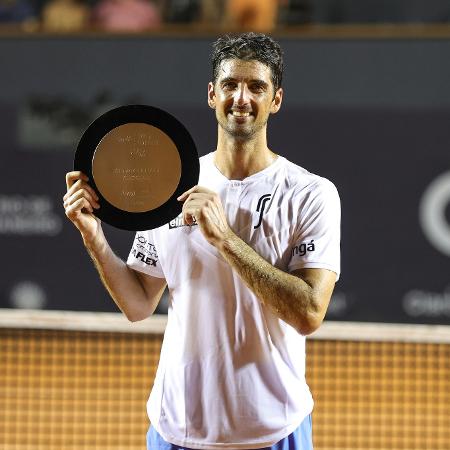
205	208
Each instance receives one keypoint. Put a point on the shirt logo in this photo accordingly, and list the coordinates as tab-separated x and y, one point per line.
145	259
260	208
304	247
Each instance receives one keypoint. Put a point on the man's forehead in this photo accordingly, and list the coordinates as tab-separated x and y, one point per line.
239	68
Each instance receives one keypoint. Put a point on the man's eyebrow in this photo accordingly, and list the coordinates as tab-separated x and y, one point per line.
260	82
227	79
257	81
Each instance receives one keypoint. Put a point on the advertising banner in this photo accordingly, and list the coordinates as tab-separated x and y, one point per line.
390	164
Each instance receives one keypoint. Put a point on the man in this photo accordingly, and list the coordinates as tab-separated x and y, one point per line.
250	266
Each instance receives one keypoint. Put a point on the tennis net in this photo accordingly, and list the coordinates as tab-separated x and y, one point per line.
73	380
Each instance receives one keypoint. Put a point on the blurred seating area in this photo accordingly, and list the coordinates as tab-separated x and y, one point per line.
257	15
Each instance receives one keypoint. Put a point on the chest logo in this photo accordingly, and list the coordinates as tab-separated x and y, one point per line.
261	208
179	222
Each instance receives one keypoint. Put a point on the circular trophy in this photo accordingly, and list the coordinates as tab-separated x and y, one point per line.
139	159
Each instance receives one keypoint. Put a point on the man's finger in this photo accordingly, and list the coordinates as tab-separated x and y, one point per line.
198	189
184	195
75	208
80	184
79	194
72	177
199	197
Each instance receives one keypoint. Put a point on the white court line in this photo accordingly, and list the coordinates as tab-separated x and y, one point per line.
117	322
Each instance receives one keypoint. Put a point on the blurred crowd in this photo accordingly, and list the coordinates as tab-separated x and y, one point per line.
257	15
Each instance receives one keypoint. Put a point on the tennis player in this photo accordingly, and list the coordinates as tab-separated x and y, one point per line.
250	266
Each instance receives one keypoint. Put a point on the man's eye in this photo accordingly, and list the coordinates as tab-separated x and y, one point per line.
229	85
257	88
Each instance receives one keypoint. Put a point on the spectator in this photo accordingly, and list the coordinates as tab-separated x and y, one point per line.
212	11
126	15
65	15
295	12
182	11
17	12
254	15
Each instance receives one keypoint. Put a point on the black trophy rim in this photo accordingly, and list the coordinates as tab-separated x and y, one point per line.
190	168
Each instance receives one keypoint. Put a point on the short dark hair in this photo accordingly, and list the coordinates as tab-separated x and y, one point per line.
249	46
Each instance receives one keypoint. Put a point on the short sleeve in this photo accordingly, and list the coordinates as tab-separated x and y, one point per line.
143	255
316	243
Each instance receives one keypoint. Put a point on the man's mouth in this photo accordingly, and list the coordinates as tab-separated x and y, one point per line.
240	113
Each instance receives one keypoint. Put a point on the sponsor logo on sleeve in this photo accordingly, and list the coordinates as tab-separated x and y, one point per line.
144	251
303	248
145	259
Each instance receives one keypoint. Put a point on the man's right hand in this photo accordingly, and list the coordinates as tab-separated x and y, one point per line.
79	203
136	294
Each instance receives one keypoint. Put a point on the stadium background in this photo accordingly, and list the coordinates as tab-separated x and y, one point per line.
368	108
372	115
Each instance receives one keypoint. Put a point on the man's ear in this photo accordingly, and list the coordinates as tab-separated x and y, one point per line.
211	96
276	102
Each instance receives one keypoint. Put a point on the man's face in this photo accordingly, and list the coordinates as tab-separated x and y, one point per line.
243	97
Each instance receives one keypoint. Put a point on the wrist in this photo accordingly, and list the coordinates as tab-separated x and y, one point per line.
228	242
95	245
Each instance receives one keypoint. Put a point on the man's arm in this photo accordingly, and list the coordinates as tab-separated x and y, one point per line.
300	299
136	294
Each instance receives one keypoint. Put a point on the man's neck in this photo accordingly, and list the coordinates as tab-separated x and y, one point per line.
238	159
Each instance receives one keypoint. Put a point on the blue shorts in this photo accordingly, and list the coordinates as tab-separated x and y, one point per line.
299	439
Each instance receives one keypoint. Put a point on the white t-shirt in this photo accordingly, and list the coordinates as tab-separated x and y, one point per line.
231	373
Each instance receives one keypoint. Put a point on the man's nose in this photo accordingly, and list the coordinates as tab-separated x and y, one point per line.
242	95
